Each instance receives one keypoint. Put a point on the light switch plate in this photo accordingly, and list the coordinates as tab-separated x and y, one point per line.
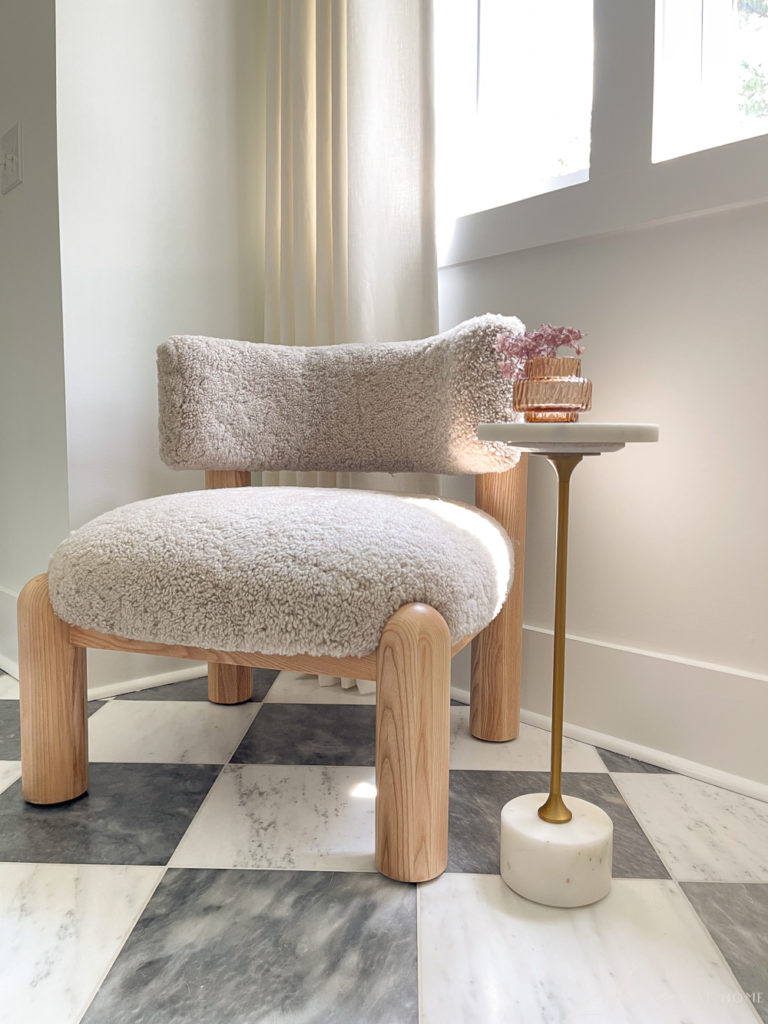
10	159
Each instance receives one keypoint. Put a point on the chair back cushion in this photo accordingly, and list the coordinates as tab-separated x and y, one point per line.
410	406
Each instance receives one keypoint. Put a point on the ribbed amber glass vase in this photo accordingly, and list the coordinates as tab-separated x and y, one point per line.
552	390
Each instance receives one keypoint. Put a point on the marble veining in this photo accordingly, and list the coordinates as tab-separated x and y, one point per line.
131	814
272	910
197	689
60	927
703	833
477	798
640	955
310	734
267	946
284	816
171	732
10	742
529	752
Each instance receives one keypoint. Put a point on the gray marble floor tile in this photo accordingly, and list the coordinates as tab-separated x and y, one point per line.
10	736
131	814
736	915
621	763
10	744
197	689
330	734
477	798
217	946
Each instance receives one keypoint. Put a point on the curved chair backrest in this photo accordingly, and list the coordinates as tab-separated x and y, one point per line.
408	406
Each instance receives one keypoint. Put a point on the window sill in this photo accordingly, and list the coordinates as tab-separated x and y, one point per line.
707	182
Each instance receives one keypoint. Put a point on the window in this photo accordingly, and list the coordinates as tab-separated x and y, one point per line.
710	75
514	81
517	118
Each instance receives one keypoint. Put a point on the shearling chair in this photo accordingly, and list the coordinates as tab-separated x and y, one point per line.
336	581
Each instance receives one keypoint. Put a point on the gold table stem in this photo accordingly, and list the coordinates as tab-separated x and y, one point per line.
553	809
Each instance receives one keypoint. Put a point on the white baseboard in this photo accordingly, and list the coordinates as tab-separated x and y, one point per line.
106	690
711	716
701	720
661	758
9	659
702	772
194	670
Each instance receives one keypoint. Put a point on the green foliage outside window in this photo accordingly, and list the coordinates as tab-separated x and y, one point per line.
754	85
754	91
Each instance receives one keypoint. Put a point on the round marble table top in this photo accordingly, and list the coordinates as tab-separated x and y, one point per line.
568	438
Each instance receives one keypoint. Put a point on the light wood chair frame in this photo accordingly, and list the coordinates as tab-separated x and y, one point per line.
411	667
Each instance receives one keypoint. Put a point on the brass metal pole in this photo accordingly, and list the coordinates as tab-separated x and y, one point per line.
554	810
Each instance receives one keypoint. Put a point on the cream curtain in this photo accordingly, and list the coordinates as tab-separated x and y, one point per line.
350	212
350	209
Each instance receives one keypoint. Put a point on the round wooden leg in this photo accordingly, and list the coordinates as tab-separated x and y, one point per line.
413	698
497	651
53	699
229	684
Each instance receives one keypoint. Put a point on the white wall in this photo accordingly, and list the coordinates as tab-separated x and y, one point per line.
668	549
33	505
159	184
663	265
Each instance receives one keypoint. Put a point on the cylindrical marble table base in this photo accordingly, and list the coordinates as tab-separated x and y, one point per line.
560	865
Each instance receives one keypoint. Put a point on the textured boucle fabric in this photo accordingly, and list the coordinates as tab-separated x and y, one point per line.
393	407
280	570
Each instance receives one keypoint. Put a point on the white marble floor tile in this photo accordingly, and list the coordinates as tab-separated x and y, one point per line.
701	832
530	752
168	732
9	772
297	688
61	925
9	688
641	954
305	818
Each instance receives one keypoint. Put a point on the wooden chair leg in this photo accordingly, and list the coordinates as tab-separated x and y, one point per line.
494	694
228	684
413	696
53	697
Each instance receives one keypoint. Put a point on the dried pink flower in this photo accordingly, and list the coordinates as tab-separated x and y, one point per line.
514	351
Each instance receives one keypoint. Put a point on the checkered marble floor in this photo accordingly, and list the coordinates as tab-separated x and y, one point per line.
220	871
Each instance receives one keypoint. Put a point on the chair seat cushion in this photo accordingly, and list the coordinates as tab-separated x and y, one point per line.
280	570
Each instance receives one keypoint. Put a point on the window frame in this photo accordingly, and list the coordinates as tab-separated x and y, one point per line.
625	189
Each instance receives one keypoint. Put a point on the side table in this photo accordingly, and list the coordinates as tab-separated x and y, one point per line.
559	854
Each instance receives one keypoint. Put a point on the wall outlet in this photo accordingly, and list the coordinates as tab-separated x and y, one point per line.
10	159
